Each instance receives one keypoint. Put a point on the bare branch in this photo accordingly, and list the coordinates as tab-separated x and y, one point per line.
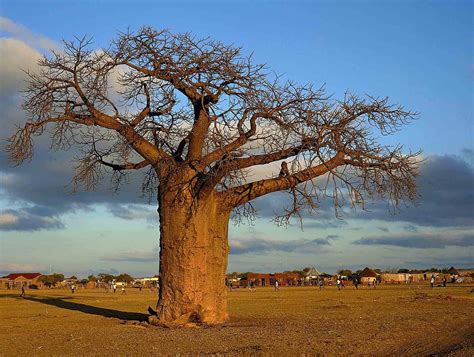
242	194
125	166
203	117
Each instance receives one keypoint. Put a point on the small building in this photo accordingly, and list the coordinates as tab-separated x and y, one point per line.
328	278
264	279
312	276
287	279
149	282
17	280
399	278
92	284
417	277
453	274
368	276
259	279
68	282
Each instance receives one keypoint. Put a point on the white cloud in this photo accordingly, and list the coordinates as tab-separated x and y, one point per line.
134	211
15	57
29	219
257	245
27	36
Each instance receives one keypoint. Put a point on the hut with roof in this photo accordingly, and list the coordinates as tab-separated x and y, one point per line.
266	279
453	271
287	278
368	276
17	280
312	276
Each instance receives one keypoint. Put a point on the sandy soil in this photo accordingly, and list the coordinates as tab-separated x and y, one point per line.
388	321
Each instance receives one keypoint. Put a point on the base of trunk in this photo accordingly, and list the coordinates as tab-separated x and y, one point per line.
191	319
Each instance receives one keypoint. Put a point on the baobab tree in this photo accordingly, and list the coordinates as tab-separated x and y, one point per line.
197	116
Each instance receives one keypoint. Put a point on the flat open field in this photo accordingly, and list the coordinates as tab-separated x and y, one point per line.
390	320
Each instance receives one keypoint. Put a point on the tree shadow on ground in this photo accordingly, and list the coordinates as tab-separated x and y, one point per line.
62	303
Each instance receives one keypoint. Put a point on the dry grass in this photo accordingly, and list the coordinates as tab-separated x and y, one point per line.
391	320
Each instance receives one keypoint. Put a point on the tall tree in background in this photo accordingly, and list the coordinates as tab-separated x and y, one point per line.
197	116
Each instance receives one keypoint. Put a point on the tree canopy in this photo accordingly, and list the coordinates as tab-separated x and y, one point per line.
106	278
125	278
163	103
52	279
345	272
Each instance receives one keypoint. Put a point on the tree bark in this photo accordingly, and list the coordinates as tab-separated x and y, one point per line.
193	260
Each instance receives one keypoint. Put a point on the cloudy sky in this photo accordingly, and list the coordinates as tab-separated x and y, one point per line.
419	54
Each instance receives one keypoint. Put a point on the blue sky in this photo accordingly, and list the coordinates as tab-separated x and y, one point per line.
420	54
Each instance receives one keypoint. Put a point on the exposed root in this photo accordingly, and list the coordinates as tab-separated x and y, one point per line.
191	319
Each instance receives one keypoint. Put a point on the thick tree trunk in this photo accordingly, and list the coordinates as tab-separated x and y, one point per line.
193	261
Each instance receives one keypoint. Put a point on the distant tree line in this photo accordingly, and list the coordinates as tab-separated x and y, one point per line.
107	278
53	279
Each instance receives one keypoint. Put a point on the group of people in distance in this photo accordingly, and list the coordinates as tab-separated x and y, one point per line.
432	281
113	287
341	283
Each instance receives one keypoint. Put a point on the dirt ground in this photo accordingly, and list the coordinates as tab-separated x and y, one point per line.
387	321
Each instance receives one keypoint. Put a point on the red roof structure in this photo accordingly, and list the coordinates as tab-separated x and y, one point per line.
25	275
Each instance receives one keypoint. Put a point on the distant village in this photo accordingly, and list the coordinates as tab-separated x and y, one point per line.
366	276
307	277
